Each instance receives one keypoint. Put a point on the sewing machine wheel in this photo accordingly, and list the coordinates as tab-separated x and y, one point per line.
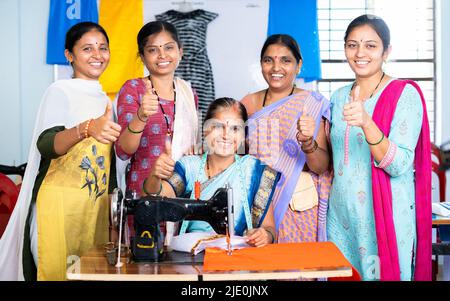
116	198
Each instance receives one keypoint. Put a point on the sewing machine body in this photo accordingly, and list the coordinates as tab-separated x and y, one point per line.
148	243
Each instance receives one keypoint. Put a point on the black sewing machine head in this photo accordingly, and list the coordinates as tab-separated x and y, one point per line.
149	211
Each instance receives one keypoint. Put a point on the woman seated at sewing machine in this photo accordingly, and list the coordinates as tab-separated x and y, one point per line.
198	177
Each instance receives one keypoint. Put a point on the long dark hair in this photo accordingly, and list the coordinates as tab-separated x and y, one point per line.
155	27
78	30
285	40
376	23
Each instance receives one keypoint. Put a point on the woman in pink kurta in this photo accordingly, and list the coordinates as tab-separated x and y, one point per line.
147	107
156	108
152	138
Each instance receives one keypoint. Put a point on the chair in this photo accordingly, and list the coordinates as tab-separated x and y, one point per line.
9	193
441	174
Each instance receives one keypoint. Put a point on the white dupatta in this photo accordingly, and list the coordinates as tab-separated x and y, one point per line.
186	131
65	103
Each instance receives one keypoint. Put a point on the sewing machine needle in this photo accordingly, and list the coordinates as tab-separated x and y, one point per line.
229	251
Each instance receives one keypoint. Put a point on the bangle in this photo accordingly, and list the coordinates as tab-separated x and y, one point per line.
300	142
86	128
139	117
312	149
271	235
78	131
382	137
134	132
148	193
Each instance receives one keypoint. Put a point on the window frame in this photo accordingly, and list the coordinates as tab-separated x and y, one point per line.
433	79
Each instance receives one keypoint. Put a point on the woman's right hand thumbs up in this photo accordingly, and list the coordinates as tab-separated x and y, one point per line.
149	102
306	125
104	129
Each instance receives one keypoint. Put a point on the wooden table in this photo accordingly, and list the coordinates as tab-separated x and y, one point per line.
94	266
440	221
441	248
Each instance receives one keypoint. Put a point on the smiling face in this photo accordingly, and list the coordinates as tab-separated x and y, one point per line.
364	51
279	67
90	55
161	54
225	132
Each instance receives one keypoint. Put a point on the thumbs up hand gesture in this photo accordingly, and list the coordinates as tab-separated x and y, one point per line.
149	102
164	165
104	129
306	126
354	112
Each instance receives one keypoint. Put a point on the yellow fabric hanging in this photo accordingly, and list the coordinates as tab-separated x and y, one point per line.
122	20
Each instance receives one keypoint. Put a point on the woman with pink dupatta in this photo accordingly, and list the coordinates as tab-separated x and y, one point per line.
287	131
380	203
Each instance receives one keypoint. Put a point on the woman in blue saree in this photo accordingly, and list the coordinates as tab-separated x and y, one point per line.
252	181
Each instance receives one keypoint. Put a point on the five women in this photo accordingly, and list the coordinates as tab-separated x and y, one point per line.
378	212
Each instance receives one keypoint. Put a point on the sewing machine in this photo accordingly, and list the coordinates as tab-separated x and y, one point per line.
148	242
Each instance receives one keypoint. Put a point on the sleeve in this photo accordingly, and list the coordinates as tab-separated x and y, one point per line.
326	107
209	16
405	129
46	142
182	180
128	102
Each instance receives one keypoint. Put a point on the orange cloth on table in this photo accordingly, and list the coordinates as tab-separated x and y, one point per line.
283	256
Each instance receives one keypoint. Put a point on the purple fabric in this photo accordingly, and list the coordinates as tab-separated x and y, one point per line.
286	156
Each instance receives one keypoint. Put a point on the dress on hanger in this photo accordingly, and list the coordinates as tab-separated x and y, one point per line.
195	66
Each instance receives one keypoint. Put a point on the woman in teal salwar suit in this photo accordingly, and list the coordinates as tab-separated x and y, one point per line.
252	182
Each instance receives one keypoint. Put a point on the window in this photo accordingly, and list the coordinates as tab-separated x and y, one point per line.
412	27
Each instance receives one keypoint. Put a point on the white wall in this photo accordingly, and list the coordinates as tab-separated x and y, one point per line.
24	76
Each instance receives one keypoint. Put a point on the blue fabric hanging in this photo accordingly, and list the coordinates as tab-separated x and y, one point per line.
298	18
63	15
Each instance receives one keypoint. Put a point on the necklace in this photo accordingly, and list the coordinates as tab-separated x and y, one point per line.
166	118
381	79
267	90
208	171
